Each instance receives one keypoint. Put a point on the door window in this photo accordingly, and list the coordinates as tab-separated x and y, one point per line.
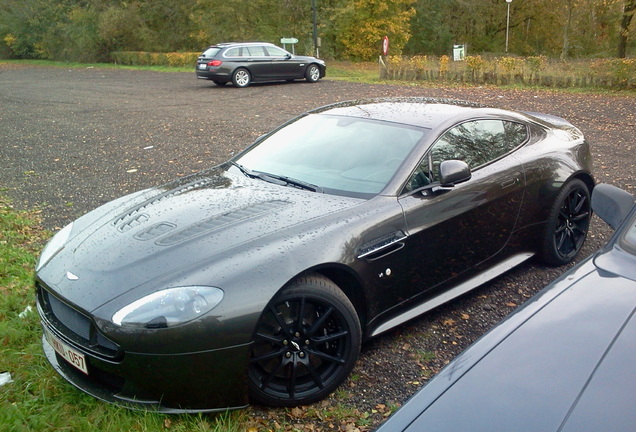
233	52
476	142
256	51
277	52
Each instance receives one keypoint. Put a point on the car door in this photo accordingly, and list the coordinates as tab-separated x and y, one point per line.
452	230
259	62
283	65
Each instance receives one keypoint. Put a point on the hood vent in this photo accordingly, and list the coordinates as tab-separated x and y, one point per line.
155	231
221	221
199	183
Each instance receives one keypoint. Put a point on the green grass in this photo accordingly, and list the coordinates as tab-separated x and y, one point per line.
38	399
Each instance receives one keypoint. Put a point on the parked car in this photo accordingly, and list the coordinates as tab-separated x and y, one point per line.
262	275
563	362
244	63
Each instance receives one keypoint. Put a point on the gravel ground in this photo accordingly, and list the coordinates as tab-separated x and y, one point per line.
74	138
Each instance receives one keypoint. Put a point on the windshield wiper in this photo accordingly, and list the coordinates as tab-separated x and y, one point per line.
295	182
278	179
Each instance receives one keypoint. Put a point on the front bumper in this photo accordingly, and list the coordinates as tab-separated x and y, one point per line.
199	381
195	382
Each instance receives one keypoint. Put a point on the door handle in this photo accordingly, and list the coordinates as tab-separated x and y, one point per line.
509	183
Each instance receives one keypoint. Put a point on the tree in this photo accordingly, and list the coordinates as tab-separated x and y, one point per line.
431	30
358	26
628	13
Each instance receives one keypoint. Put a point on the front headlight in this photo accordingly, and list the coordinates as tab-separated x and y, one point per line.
54	245
169	307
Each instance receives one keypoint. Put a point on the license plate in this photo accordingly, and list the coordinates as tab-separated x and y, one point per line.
69	354
202	66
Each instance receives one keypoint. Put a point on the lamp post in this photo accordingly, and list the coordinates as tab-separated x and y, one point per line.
315	29
507	23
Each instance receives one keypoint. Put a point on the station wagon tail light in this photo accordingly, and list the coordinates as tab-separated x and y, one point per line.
215	63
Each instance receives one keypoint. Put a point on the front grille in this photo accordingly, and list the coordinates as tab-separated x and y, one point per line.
72	320
76	326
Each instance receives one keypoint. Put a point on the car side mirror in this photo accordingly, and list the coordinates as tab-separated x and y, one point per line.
611	204
453	171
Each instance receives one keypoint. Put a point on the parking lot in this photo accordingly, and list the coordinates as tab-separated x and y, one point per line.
73	139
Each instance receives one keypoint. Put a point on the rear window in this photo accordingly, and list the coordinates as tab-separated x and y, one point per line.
211	52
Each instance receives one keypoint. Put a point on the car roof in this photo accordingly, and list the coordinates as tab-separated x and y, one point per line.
232	44
414	111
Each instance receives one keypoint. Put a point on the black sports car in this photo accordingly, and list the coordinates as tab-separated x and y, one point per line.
563	362
247	62
263	275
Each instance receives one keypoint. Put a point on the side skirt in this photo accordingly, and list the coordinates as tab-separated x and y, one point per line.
452	293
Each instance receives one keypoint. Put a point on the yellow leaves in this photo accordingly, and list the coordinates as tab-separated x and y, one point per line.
363	24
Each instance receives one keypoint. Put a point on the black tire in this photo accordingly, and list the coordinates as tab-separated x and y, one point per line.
568	224
305	344
220	83
312	74
241	78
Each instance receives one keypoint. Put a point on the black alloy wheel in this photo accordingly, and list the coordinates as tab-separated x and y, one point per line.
568	224
306	342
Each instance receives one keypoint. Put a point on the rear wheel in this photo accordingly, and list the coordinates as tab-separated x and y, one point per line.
312	74
568	223
305	344
241	78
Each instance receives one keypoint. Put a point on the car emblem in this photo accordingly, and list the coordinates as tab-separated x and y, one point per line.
71	276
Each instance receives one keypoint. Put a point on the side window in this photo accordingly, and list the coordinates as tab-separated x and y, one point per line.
276	52
233	52
516	134
476	143
256	51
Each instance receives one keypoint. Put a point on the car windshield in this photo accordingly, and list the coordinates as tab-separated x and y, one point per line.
340	155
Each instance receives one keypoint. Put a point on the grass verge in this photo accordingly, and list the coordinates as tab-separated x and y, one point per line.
36	398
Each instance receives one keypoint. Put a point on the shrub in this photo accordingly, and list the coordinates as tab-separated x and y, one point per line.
142	58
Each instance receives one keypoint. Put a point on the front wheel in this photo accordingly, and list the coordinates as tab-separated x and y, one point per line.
241	78
312	74
568	223
305	344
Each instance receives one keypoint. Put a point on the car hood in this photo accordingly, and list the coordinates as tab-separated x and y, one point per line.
173	228
563	363
307	59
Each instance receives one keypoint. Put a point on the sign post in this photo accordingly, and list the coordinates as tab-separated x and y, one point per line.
292	41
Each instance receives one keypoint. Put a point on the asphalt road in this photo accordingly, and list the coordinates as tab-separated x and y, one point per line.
74	138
